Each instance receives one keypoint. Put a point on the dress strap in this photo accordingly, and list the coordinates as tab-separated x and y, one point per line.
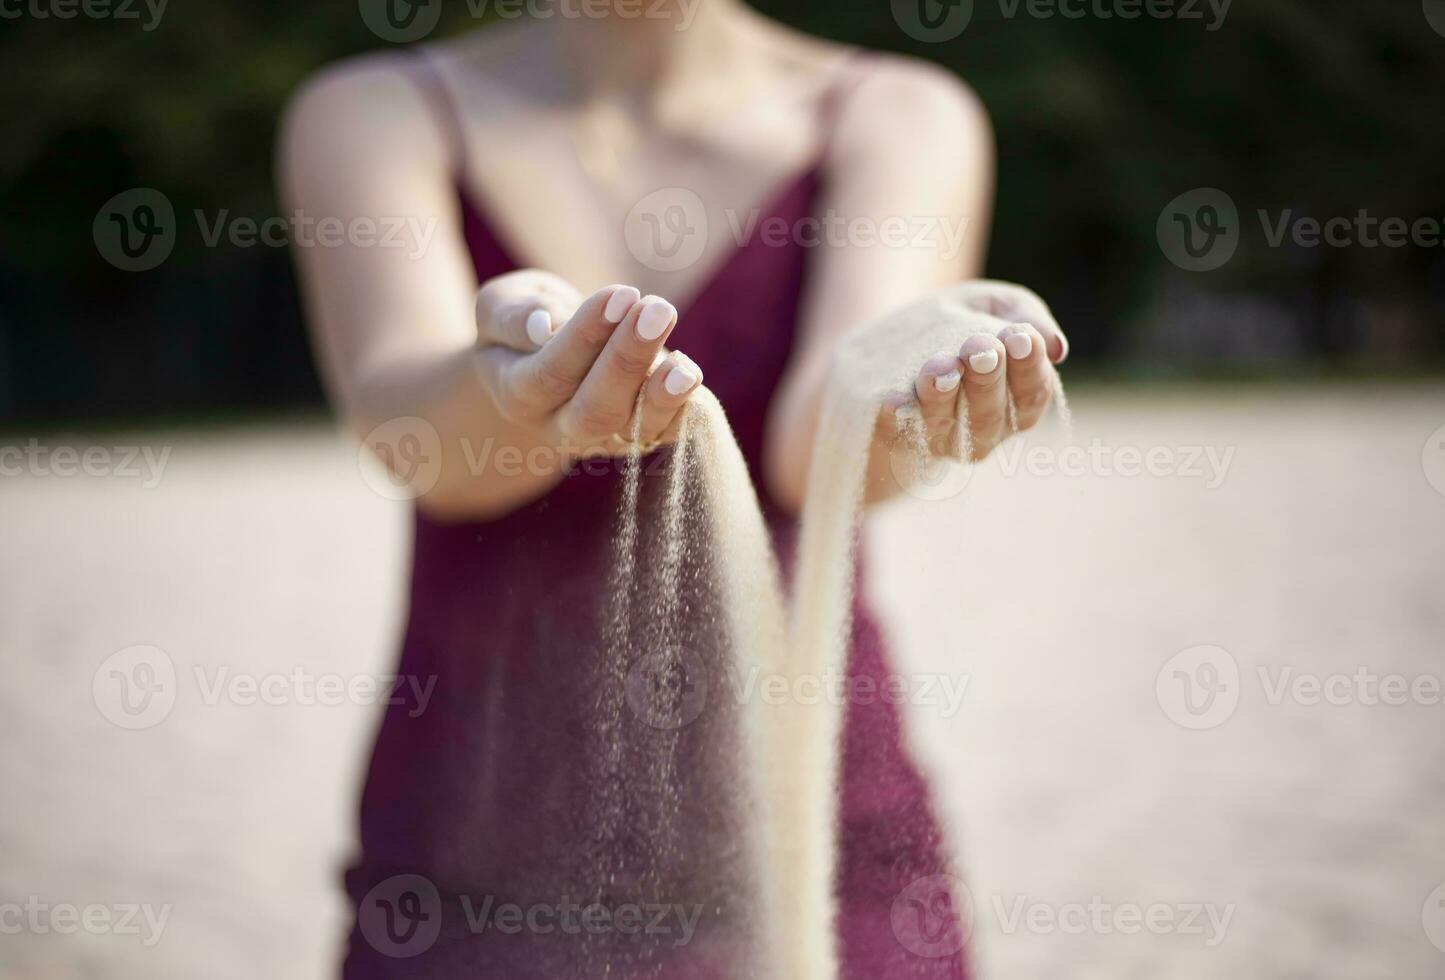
422	68
856	67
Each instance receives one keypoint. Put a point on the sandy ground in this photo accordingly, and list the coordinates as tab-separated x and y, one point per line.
1116	822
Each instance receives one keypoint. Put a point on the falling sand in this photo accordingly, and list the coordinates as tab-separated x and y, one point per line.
738	796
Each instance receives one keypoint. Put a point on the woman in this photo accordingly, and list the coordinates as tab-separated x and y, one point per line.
629	145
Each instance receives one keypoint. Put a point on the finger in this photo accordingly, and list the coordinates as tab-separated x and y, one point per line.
605	400
1028	373
937	389
668	389
522	324
536	386
1016	304
888	424
985	393
520	309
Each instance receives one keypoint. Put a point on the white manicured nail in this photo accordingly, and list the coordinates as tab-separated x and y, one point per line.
654	319
539	327
984	361
948	382
1018	345
680	379
622	300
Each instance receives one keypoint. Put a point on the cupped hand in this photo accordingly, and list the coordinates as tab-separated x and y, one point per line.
572	368
1004	378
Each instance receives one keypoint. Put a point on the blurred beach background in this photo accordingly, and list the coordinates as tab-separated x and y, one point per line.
1175	627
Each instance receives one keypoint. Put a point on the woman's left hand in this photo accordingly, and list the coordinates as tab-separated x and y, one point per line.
1015	363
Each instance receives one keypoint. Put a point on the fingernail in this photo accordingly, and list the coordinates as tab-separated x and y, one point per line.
939	364
654	319
680	379
539	327
984	361
1019	345
622	300
949	381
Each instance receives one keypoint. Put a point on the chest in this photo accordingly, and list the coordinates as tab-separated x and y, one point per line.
596	197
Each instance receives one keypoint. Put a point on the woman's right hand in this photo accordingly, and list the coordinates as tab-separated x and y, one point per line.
570	368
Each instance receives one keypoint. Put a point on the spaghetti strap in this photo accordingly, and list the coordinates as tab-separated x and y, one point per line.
846	79
423	70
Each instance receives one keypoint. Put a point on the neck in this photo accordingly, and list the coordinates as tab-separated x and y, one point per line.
639	46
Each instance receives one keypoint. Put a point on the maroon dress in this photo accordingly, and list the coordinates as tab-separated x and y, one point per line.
471	801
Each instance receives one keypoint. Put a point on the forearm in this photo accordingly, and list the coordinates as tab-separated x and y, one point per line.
485	466
792	429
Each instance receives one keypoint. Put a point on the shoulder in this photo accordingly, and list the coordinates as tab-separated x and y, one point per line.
359	109
396	102
901	106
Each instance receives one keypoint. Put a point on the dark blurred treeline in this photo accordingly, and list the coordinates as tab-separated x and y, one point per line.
1327	107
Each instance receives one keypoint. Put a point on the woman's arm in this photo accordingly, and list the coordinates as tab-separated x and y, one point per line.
402	331
912	149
